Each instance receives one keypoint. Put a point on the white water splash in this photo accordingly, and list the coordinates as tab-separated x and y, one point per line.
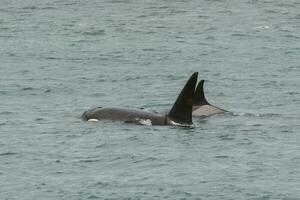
262	27
146	122
93	120
179	124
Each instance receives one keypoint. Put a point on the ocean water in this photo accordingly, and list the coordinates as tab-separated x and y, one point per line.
60	58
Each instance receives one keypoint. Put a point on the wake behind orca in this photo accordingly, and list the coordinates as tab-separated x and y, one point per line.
200	105
179	115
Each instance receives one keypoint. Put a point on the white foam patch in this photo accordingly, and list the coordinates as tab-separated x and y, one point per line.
179	124
262	27
246	114
146	122
93	120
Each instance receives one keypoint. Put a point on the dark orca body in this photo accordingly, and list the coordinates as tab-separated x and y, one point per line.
124	114
201	108
180	114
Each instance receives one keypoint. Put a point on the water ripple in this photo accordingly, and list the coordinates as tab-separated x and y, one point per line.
8	154
94	32
59	57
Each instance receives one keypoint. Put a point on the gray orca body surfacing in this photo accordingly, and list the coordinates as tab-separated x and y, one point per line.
201	108
180	114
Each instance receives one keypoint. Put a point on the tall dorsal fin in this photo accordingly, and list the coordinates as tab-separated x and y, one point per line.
199	98
181	111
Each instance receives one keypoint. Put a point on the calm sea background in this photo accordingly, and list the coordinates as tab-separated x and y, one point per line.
60	58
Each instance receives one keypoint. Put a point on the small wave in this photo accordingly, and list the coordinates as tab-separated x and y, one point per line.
118	1
133	138
242	114
47	91
181	41
58	58
142	16
6	113
203	16
161	27
101	146
255	115
221	94
221	156
226	137
90	160
38	8
268	115
98	94
149	159
295	67
94	197
257	125
39	119
11	54
293	93
102	184
30	8
94	33
270	11
173	77
238	35
286	5
3	93
8	154
245	141
52	58
292	36
27	88
4	10
48	8
129	78
71	3
7	36
210	38
225	12
148	49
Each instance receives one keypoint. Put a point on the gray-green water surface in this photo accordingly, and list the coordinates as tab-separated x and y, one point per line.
59	58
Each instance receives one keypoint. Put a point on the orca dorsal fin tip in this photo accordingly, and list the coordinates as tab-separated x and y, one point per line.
181	111
199	97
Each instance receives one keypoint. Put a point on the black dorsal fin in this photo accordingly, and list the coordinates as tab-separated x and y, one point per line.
199	98
181	111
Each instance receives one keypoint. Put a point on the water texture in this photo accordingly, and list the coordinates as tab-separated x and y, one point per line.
59	58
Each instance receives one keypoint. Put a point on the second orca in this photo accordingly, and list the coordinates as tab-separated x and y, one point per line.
201	107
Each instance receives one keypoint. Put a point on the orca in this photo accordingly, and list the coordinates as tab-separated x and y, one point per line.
179	115
201	107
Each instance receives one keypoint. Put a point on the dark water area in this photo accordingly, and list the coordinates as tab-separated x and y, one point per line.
60	58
